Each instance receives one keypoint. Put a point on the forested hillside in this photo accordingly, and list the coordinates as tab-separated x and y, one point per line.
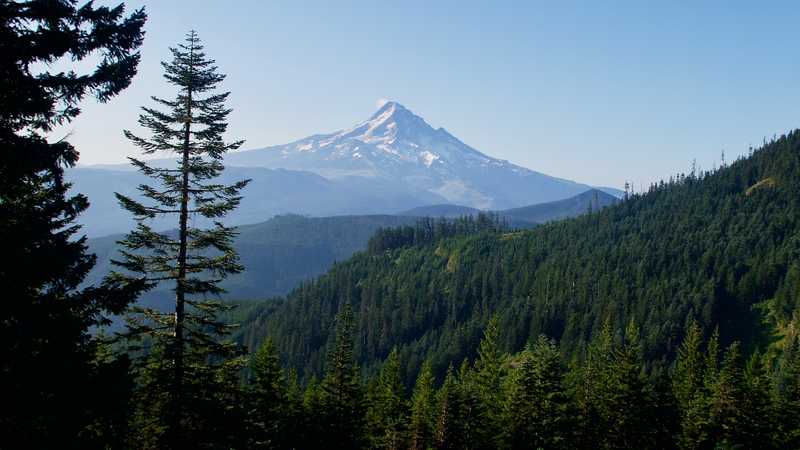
530	215
278	253
289	249
720	248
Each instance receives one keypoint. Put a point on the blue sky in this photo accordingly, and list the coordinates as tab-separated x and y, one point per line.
597	92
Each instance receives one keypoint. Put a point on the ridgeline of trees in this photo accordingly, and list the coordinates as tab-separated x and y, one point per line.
428	230
718	248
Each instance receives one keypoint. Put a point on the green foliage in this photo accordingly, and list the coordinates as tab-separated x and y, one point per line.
539	408
386	416
450	420
270	398
341	394
48	358
194	367
428	230
699	248
423	411
788	393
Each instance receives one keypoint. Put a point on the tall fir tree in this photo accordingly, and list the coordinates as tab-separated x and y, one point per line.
691	389
626	400
191	336
489	378
788	401
539	407
450	422
387	418
341	393
47	363
587	384
269	398
758	409
423	410
727	401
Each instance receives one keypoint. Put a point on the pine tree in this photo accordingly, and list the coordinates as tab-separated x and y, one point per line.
627	403
587	384
539	407
450	423
423	410
387	415
340	392
196	259
688	376
313	429
47	354
691	389
293	416
488	384
727	401
269	398
788	403
477	430
758	412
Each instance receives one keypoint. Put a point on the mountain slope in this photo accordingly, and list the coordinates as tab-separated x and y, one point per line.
279	254
395	144
282	252
442	210
392	162
590	200
272	191
720	249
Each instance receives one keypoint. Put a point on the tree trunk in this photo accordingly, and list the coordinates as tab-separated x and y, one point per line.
180	293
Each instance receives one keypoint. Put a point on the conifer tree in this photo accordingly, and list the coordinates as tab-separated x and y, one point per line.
387	415
47	353
423	410
788	402
727	401
313	435
626	401
688	376
488	380
758	412
587	385
450	424
340	392
539	413
691	389
293	416
477	429
269	398
195	260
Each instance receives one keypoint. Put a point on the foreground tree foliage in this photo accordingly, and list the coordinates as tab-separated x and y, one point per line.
49	361
708	399
190	369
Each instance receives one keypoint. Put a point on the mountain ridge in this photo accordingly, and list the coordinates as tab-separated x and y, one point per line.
396	144
286	250
391	162
593	199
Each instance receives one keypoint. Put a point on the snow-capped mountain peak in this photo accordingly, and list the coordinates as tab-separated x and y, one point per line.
393	130
396	144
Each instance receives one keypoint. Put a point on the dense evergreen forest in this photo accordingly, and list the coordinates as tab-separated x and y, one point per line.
717	248
668	320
